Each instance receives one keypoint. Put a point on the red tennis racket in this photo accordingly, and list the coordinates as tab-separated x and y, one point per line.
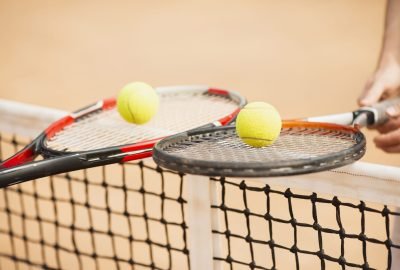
97	135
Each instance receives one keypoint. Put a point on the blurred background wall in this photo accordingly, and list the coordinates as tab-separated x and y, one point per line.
306	57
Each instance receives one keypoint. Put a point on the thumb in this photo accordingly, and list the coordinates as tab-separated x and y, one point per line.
371	94
394	111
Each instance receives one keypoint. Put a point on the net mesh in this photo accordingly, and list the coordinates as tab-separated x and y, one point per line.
104	218
280	229
134	216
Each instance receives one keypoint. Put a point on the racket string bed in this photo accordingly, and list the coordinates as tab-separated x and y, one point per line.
292	144
106	128
220	151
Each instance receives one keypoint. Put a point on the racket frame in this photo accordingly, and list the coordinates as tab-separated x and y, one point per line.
21	167
260	169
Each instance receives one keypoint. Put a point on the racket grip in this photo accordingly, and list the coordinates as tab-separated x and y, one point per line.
379	109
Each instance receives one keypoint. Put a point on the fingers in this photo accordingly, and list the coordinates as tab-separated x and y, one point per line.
389	142
372	93
377	91
392	149
391	125
394	111
383	83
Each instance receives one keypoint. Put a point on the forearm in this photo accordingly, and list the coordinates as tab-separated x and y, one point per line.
391	40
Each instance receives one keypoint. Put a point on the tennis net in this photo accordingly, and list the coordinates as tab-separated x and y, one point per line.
139	216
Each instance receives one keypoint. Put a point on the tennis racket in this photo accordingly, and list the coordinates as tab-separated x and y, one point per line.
97	135
311	145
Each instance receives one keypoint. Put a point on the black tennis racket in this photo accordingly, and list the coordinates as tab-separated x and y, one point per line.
97	135
302	147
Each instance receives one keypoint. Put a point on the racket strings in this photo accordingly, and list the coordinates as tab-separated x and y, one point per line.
293	144
177	112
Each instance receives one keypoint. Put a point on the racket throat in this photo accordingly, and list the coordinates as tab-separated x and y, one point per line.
365	117
27	154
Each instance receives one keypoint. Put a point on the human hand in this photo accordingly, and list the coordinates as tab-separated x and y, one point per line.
389	138
385	83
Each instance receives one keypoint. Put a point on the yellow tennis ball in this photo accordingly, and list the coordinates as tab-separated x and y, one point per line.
137	102
258	124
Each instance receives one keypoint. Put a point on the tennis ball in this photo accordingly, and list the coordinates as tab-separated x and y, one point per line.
137	102
258	124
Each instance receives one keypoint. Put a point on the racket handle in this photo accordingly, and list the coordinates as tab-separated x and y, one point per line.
376	114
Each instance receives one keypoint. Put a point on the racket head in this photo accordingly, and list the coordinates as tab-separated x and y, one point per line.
100	127
99	131
302	147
